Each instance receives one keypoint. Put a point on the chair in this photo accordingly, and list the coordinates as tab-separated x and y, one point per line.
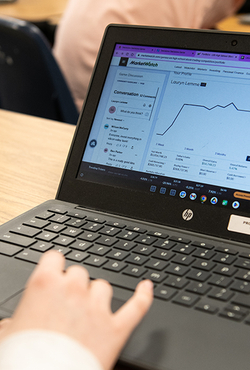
30	79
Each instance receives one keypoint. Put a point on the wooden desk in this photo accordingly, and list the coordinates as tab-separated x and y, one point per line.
233	24
35	10
32	156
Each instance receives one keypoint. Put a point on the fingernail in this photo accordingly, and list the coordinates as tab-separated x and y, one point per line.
148	284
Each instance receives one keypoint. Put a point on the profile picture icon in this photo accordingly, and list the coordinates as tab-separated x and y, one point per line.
112	109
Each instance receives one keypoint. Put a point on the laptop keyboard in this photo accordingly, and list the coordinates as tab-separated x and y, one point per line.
192	273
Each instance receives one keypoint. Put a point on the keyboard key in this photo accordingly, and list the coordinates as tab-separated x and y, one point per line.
165	244
77	256
202	245
183	260
244	255
135	271
47	236
229	314
45	215
88	236
81	245
165	293
204	265
25	231
221	281
226	259
60	249
225	270
9	249
241	300
55	228
243	275
186	299
137	259
116	266
179	239
177	269
243	263
117	255
126	246
72	231
156	264
76	214
199	275
109	230
29	256
107	240
164	255
206	254
60	219
184	248
22	241
60	210
100	250
177	282
226	250
99	220
137	229
127	235
36	222
221	294
158	234
199	288
206	307
146	250
41	246
116	224
63	240
155	276
241	286
96	261
75	222
92	226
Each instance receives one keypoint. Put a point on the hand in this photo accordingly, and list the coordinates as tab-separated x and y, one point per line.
68	303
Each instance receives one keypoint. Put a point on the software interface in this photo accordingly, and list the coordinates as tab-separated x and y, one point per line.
176	122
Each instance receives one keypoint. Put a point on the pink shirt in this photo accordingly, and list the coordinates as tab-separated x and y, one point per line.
82	26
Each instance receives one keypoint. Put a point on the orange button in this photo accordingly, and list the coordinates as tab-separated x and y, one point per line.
240	195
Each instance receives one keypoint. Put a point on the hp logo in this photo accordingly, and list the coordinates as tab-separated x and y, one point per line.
187	215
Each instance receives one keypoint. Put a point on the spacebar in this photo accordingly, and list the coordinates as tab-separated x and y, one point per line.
113	278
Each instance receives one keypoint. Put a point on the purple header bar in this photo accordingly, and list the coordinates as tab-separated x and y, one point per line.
134	51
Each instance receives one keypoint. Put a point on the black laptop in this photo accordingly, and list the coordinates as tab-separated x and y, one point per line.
157	185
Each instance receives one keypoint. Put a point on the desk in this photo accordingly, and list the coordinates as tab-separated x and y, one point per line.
35	10
32	156
232	24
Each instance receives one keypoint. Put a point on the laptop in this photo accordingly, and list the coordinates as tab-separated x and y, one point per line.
157	185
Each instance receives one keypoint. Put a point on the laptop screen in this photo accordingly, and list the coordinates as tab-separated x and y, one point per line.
174	122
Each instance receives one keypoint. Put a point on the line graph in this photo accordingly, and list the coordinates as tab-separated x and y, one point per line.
201	106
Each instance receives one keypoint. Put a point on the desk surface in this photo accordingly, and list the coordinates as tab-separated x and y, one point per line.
35	10
32	156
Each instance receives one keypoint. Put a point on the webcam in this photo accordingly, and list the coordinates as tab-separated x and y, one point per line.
234	42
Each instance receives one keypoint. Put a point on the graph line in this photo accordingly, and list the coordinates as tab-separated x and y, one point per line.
201	106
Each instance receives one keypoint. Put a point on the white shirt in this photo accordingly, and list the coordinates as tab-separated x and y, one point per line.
45	350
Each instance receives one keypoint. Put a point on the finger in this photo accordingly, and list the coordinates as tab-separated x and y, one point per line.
132	312
78	275
101	293
50	263
4	323
51	260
